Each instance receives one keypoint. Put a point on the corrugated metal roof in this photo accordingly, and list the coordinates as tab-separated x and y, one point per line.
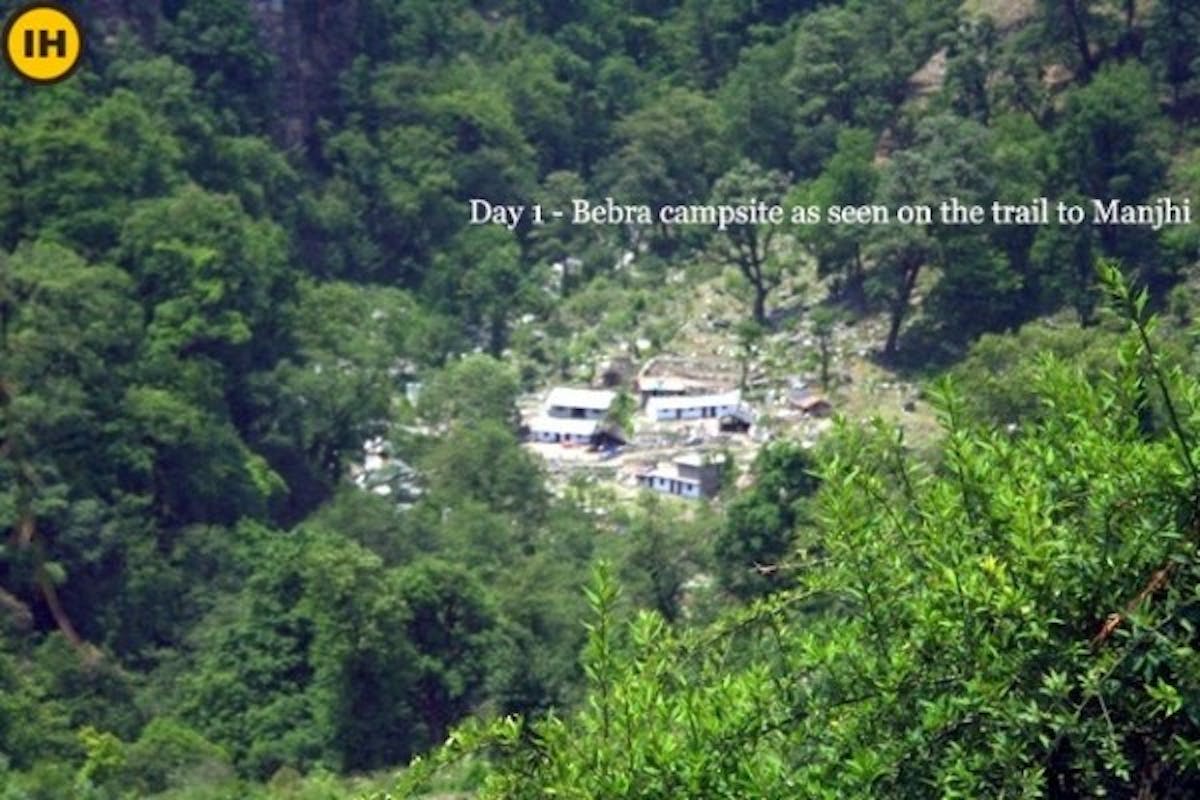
811	402
667	384
656	404
701	459
595	399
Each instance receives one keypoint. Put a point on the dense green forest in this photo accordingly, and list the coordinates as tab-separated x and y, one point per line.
236	235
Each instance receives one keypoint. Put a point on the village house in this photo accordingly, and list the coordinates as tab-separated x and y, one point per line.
809	402
560	430
699	406
650	388
575	416
566	403
814	406
693	476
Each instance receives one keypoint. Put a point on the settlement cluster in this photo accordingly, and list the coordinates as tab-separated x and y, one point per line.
689	422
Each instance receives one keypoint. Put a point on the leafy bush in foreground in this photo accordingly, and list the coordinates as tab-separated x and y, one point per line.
1018	620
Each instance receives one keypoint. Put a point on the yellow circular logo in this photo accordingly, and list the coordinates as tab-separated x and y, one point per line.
43	42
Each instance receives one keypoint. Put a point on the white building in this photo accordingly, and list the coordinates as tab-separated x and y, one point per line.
563	430
693	476
699	406
575	416
565	403
667	386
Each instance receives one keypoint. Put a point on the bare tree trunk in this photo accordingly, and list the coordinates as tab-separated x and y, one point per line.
24	534
760	303
21	616
893	338
61	619
856	291
908	282
26	540
1075	12
825	354
1129	43
497	334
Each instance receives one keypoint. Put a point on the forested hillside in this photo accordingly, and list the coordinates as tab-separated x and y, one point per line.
235	249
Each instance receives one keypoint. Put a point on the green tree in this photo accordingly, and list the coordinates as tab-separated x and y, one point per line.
453	627
948	159
665	551
471	390
1013	621
220	42
363	666
485	283
336	391
541	103
168	753
213	279
484	463
1022	153
1087	33
824	320
1109	146
1172	28
250	683
759	106
68	337
838	81
970	61
74	176
34	724
581	252
849	178
749	247
761	523
670	149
